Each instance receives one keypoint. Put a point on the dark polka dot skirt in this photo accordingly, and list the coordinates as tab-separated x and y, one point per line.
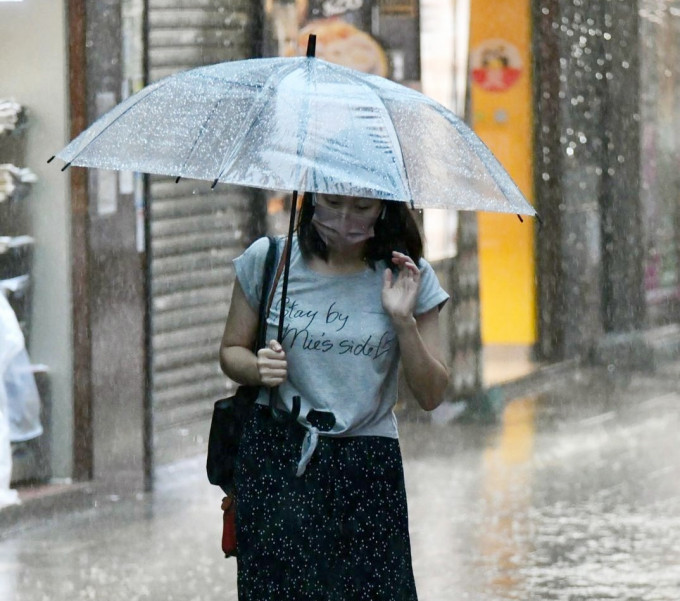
339	532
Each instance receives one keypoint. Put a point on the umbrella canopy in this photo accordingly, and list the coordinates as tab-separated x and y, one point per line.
300	124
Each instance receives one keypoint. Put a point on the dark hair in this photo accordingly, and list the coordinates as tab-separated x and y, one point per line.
396	230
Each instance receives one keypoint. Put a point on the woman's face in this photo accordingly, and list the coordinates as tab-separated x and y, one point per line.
344	222
351	205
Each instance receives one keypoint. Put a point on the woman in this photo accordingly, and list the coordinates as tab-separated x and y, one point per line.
321	511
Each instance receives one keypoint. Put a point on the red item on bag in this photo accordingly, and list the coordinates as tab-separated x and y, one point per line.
229	526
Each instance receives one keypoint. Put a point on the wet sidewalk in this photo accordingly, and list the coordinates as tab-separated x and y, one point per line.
574	495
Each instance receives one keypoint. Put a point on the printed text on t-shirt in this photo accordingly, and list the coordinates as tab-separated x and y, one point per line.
297	334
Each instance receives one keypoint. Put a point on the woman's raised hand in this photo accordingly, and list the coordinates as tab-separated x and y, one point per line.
399	295
272	364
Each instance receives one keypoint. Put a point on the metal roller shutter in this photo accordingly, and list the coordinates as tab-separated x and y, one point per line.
195	234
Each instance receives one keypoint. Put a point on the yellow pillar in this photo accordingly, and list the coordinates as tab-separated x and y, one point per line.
500	44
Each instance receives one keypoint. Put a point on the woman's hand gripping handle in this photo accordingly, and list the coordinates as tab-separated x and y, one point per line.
272	364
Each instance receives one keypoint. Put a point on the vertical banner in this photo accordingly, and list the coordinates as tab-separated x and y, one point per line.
381	37
502	112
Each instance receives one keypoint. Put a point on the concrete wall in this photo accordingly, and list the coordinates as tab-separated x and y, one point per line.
33	49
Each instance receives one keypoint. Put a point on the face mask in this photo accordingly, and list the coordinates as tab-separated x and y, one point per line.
340	229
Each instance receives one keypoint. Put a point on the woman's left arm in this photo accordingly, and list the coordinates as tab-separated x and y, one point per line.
419	340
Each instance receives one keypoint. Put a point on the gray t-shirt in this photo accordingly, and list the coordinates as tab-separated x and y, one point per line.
341	348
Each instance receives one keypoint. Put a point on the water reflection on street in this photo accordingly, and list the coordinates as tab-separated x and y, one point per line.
573	495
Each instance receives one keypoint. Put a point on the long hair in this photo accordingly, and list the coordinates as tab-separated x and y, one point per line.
395	230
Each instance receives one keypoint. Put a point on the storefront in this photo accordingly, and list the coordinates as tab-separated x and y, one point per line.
35	219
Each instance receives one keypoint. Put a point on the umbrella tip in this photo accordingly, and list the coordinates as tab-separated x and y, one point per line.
520	218
51	159
214	184
538	218
179	177
65	167
311	45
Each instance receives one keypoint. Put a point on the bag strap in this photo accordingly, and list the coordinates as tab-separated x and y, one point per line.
268	284
265	306
279	271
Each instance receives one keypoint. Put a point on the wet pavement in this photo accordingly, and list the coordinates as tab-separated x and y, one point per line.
574	495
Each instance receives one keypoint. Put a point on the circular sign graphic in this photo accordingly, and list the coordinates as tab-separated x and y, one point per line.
496	65
344	44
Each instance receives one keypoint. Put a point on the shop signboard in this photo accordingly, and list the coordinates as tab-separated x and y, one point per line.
373	36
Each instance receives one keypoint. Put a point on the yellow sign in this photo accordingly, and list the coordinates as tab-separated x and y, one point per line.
500	39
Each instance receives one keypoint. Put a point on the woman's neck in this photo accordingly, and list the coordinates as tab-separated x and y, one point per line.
346	261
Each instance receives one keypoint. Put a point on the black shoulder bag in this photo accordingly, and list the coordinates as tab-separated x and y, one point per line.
230	414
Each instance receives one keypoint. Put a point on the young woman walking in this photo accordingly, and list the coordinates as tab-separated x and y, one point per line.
321	504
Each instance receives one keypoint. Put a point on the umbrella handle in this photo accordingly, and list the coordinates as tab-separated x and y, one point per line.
279	415
273	392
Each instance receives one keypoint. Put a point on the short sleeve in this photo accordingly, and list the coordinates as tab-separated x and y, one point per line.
431	294
250	270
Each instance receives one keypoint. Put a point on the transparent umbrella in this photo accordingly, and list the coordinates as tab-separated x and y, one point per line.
300	124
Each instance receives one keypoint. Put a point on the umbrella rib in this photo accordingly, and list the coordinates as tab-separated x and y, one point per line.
310	64
158	86
405	181
203	129
482	152
490	162
251	119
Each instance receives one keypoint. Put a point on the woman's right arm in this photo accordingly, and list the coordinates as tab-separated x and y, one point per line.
237	360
